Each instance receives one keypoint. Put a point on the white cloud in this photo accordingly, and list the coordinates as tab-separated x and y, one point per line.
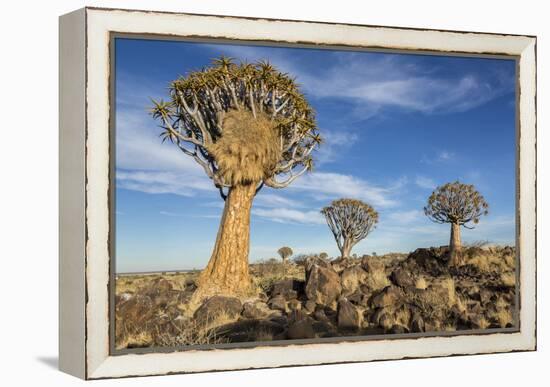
404	217
285	215
266	199
425	182
158	182
383	81
328	186
445	155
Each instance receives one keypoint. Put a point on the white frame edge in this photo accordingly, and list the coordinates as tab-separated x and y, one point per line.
100	23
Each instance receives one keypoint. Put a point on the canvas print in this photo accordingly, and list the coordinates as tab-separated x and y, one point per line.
268	194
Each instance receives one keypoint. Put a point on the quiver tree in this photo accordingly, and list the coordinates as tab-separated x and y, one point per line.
285	252
460	205
350	221
246	125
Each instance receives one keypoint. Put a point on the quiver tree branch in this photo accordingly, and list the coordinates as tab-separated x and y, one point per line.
202	113
350	221
460	205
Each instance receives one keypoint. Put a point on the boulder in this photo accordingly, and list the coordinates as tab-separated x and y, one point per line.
301	329
417	323
351	278
216	306
403	278
312	261
277	303
157	287
348	315
372	264
136	310
323	285
310	306
390	296
256	310
323	329
376	274
320	315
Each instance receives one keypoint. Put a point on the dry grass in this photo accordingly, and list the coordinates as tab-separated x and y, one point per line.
191	332
490	259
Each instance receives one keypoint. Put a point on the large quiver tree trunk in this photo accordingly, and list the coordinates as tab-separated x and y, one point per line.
455	246
227	271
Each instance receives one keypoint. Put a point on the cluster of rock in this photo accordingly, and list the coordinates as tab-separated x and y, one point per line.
342	297
364	296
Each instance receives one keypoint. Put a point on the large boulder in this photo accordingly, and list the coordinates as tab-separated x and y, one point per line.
323	285
352	278
217	306
349	317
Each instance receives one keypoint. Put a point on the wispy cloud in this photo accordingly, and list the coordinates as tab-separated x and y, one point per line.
382	80
266	199
327	186
425	182
161	182
405	217
441	156
285	215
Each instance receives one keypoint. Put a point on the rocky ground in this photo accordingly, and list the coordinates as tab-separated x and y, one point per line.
395	293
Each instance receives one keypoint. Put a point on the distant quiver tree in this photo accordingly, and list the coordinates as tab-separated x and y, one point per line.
285	252
460	205
246	125
350	221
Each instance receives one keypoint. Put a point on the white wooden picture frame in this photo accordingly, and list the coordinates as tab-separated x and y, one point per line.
85	168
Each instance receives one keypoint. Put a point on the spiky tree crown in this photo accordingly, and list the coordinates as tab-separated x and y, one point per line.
350	219
243	123
456	203
285	252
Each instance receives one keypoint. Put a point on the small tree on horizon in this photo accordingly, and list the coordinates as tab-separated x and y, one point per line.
350	221
285	252
247	126
458	204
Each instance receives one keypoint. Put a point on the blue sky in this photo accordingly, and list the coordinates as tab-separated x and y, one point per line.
395	126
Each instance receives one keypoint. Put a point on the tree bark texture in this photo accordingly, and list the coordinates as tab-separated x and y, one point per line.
227	271
455	246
